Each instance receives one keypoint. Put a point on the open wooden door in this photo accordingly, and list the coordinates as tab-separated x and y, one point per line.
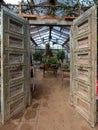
14	64
84	64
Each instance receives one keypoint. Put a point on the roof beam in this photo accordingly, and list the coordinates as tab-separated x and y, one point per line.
50	21
67	40
33	16
57	37
33	41
50	37
40	32
66	35
35	28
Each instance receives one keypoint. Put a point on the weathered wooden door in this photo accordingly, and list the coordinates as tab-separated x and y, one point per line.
14	64
84	64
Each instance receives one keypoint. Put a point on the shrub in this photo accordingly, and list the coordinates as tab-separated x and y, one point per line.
61	55
37	56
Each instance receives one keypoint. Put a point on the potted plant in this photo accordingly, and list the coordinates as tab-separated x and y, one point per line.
54	61
61	55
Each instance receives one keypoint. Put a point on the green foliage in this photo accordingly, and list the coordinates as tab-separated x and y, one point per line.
48	52
37	56
44	61
61	55
54	60
51	60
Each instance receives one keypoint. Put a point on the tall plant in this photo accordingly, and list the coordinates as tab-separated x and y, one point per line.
37	56
61	55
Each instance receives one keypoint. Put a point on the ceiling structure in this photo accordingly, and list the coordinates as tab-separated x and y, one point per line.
57	36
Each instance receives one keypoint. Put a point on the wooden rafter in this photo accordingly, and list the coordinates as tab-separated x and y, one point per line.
56	31
33	41
40	32
55	34
67	40
33	16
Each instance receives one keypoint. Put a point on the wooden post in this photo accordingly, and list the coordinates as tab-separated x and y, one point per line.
20	9
79	11
67	55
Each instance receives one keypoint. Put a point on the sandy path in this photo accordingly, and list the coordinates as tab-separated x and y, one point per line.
50	109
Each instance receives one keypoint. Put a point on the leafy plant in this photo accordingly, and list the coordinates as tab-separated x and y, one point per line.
54	60
48	52
61	55
51	60
37	56
44	61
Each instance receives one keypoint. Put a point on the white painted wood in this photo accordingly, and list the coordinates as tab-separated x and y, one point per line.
83	72
15	64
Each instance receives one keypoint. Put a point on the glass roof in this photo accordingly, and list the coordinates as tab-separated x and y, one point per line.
55	35
39	1
61	1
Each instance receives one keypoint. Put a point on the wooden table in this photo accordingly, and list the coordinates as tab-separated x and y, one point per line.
53	68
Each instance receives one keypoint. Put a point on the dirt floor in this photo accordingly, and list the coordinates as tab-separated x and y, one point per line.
50	109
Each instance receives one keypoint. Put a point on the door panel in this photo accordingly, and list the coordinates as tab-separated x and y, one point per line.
84	64
15	64
82	58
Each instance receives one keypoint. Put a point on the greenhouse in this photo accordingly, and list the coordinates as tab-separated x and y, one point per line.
48	70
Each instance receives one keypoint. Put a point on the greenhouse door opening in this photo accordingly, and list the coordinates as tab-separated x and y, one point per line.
83	66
